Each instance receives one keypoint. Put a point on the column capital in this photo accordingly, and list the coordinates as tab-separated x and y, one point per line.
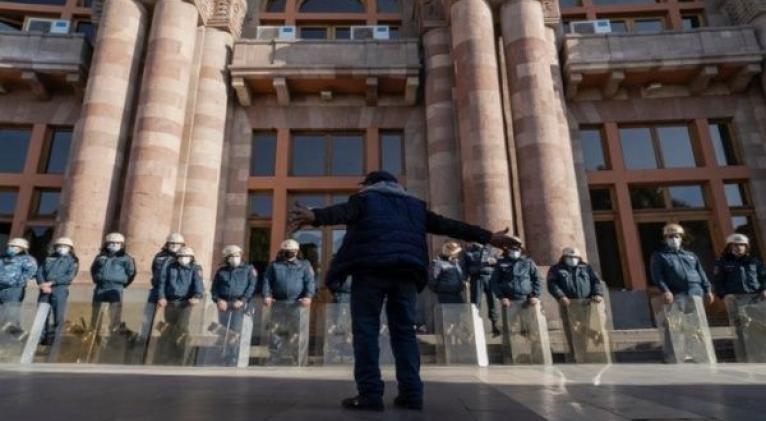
743	12
431	14
228	15
551	10
204	7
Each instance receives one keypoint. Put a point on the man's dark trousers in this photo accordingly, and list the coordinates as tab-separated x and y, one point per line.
399	291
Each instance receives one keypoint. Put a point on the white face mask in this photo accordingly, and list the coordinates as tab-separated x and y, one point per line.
62	250
174	247
673	242
185	260
234	260
572	261
514	254
114	247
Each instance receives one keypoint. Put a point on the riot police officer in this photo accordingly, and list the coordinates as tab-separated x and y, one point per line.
572	278
738	271
173	244
289	278
676	270
17	267
181	280
447	274
180	288
516	278
233	287
54	276
480	261
112	271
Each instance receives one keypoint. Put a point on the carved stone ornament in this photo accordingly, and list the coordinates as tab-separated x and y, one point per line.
742	12
229	15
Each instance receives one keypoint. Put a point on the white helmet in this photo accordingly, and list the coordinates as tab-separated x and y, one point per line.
115	237
671	229
64	241
231	250
185	251
20	243
571	252
175	238
738	238
290	245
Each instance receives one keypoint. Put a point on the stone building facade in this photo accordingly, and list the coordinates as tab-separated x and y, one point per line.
195	116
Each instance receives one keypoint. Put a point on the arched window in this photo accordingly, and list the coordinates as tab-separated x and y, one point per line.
276	6
331	6
388	6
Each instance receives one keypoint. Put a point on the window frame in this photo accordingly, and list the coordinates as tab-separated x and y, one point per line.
707	174
327	138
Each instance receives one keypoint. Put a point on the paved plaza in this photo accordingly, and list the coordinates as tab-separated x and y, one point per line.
565	392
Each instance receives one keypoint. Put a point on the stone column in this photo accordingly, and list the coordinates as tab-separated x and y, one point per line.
90	193
146	216
550	200
486	183
203	175
444	172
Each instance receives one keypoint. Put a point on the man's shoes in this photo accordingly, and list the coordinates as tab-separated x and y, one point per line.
406	403
496	332
362	403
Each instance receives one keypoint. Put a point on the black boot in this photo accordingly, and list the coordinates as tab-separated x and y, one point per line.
495	331
407	403
362	403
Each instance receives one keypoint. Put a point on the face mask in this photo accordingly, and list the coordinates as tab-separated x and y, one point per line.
13	250
289	255
174	247
114	247
62	251
673	242
514	254
185	260
234	260
571	261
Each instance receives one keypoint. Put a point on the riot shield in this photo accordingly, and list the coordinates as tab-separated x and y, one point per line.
460	335
525	335
747	315
684	330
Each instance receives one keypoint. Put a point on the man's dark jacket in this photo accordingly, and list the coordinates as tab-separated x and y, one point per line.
386	232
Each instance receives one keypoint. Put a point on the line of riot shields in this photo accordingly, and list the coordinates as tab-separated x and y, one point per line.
139	333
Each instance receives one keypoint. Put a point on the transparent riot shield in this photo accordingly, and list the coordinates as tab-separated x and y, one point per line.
338	347
460	338
747	315
225	339
172	338
525	335
585	328
286	334
21	326
119	339
684	330
101	333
